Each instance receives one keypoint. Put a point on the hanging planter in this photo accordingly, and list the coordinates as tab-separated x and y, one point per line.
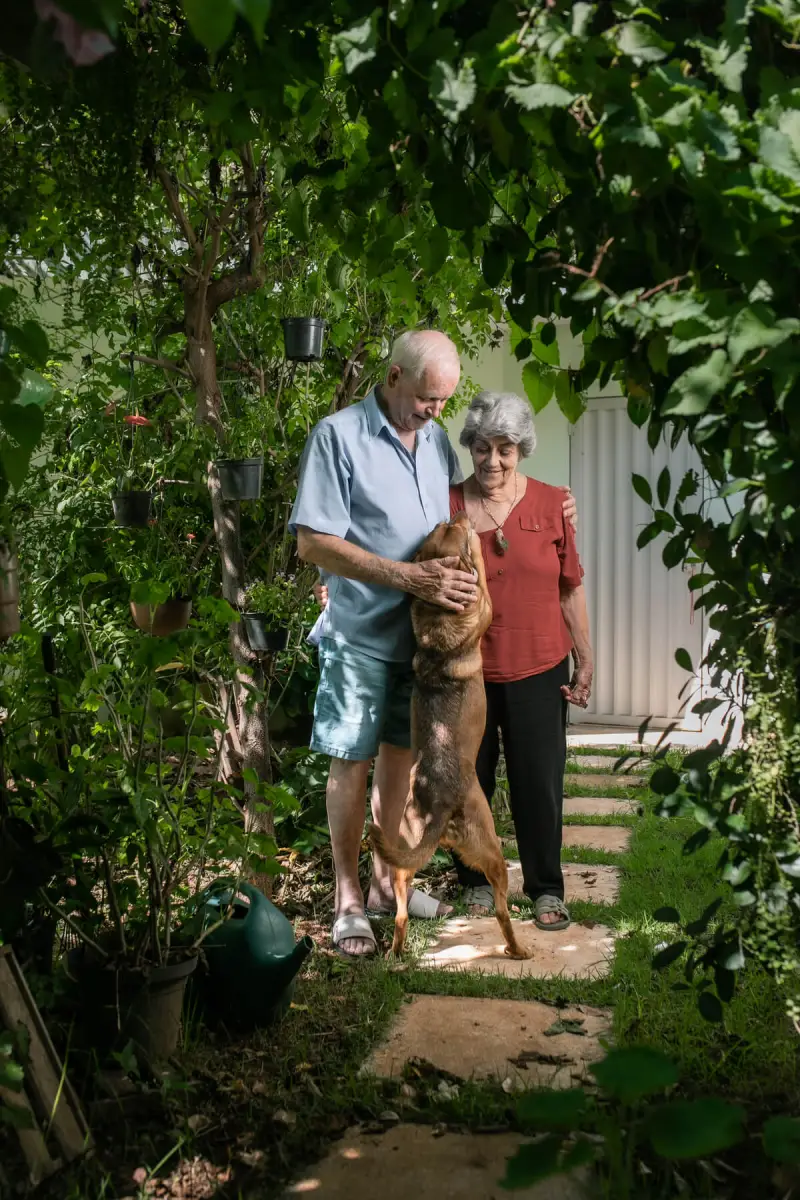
260	637
240	478
302	338
9	592
132	509
162	620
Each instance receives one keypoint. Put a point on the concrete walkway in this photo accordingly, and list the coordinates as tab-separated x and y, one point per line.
516	1043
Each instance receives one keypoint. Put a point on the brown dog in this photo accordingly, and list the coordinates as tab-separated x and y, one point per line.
445	805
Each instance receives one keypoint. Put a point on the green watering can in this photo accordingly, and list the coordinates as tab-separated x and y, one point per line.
252	957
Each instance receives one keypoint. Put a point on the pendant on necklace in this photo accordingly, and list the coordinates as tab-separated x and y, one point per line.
500	541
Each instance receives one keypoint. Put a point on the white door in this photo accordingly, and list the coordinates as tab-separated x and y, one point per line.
639	611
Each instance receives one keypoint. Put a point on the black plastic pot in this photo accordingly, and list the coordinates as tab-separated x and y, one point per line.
262	639
124	1004
132	509
240	478
302	338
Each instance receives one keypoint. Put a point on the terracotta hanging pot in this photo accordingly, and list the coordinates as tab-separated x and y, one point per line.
162	620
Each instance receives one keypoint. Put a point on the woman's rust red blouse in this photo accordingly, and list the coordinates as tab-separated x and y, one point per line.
528	634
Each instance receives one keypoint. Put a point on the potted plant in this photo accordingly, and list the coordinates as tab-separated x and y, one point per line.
268	608
133	498
303	327
159	566
9	590
241	475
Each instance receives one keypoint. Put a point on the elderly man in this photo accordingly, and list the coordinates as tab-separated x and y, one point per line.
374	482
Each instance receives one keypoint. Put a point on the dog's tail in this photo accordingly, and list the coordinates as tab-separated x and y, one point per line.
410	858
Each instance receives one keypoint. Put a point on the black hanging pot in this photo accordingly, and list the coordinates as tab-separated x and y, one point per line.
302	338
132	509
241	478
260	638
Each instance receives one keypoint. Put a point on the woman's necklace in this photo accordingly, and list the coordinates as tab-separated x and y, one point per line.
500	540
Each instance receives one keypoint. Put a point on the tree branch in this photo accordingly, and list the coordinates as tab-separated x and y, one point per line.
183	222
166	364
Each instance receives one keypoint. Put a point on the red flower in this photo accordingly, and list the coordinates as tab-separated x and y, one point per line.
190	537
135	419
152	522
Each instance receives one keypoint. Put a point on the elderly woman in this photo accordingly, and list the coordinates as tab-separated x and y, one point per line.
535	583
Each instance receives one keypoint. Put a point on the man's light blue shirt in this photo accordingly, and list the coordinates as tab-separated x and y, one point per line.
360	483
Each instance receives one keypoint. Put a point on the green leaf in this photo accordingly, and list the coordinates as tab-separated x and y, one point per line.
493	264
93	577
691	394
452	92
31	340
547	334
546	352
255	12
642	43
667	916
781	1139
752	329
532	1162
674	552
683	659
633	1072
569	400
538	382
553	1108
358	44
694	1128
33	389
540	95
710	1008
663	487
24	424
642	488
211	21
297	216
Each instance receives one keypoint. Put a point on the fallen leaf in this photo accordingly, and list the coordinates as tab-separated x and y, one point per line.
389	1117
196	1121
285	1117
566	1025
259	1088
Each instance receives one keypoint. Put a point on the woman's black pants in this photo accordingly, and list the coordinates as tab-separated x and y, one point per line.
531	714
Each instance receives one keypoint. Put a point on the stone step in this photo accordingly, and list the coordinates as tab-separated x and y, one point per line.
597	885
603	781
613	838
518	1043
599	806
425	1163
604	762
476	944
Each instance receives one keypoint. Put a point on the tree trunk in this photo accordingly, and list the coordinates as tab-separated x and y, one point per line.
249	699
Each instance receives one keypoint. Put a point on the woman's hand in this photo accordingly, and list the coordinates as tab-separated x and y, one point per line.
579	688
570	509
320	591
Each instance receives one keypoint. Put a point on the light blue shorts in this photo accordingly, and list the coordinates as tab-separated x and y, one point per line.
360	702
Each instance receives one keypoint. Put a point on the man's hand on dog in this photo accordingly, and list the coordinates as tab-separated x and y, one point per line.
440	582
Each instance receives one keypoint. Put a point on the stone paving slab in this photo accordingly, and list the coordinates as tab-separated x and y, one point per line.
514	1042
598	806
476	944
608	780
412	1161
604	762
613	838
597	885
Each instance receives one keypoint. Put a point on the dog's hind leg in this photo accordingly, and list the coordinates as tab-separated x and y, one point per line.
479	847
402	881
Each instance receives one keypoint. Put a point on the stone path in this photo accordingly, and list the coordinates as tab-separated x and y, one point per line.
422	1163
516	1043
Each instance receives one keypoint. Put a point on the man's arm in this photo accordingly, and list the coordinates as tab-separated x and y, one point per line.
435	581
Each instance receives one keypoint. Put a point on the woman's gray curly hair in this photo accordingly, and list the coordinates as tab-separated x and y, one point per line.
500	415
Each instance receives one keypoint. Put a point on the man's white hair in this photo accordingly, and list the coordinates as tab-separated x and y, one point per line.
418	349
